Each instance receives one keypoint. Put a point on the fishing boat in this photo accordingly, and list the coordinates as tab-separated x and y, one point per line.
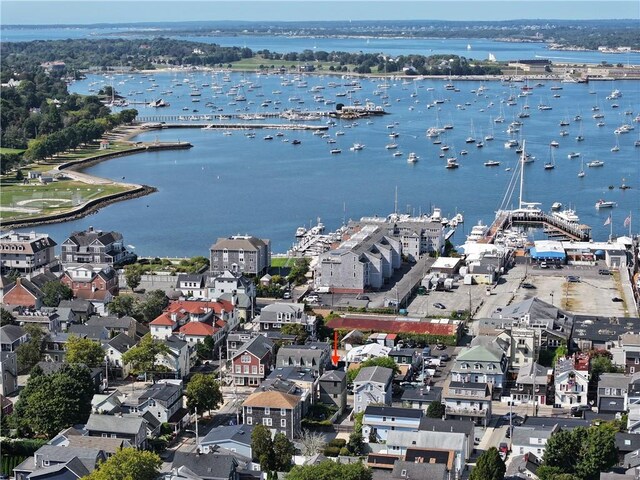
356	147
452	162
605	204
491	163
412	158
595	163
571	155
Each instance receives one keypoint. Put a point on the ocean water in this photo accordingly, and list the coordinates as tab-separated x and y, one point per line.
233	184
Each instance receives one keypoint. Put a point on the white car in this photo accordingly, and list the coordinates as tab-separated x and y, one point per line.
313	298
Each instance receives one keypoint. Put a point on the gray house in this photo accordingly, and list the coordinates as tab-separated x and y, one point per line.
94	246
8	373
241	254
65	463
129	427
372	385
315	356
11	337
612	392
210	466
273	317
333	389
279	412
236	438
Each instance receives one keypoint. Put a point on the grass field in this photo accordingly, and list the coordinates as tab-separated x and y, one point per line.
282	262
24	201
4	150
255	62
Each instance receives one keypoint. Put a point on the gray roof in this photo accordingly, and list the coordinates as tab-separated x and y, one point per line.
11	333
111	321
422	394
160	391
89	236
293	374
408	470
610	404
568	423
602	329
534	307
236	433
77	305
191	277
374	374
127	425
429	424
94	332
528	435
258	346
58	454
210	466
442	440
121	342
614	380
627	442
333	376
526	374
43	278
384	411
75	465
237	243
310	353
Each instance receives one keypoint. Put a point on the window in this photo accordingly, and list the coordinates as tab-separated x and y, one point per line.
246	369
249	410
254	369
267	411
238	369
283	412
245	359
249	421
283	422
267	422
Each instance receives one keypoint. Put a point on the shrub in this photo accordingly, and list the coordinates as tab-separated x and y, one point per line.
344	452
338	442
331	451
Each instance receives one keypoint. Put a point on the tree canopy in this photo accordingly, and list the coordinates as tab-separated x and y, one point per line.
329	470
128	464
489	466
273	454
203	392
83	350
29	353
54	292
143	357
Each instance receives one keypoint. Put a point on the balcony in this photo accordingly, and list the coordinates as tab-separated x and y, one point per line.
471	412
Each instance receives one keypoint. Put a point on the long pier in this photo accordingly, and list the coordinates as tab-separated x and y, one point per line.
234	126
553	226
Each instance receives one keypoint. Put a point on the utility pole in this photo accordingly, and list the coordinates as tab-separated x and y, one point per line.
197	438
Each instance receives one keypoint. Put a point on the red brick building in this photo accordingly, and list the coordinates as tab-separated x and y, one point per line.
23	293
92	283
253	361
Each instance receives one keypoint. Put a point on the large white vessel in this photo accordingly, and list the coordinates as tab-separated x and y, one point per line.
477	232
568	215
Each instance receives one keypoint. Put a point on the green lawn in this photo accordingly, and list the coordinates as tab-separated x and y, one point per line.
255	62
23	201
282	262
4	150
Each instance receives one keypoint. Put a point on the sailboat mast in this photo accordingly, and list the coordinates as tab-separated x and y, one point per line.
522	157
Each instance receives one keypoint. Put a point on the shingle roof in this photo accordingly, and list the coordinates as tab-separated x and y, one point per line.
237	433
160	391
258	346
111	321
405	470
75	465
374	374
237	243
87	237
121	342
271	399
438	425
106	444
128	425
333	376
11	333
210	466
385	411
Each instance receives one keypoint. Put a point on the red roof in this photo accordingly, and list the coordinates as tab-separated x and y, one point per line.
392	325
163	319
199	329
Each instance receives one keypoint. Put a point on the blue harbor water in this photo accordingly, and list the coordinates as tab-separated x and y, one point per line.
234	182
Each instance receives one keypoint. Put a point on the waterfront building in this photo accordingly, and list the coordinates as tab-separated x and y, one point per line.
94	246
241	254
26	252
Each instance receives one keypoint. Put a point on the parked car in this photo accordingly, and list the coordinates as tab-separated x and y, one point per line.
604	271
577	410
544	265
503	447
617	299
439	305
528	286
573	279
441	346
445	357
362	297
286	295
313	298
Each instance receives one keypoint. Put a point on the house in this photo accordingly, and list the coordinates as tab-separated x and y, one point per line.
240	254
233	287
523	467
114	349
163	400
272	317
128	427
612	393
253	361
467	400
532	439
209	466
115	325
626	443
8	373
192	285
279	412
97	373
365	352
314	355
532	385
407	470
82	309
379	420
372	385
58	462
481	364
302	382
11	337
600	332
571	380
54	347
466	427
333	389
95	332
421	397
236	438
365	261
95	283
23	293
26	252
178	360
94	246
633	403
46	319
402	442
107	403
109	446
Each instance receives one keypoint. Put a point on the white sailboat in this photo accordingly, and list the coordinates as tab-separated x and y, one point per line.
581	172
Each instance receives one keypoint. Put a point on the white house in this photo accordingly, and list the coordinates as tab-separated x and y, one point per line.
378	421
372	385
531	439
114	349
365	352
571	380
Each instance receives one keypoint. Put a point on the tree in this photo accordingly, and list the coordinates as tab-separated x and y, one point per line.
329	470
262	447
283	451
122	305
386	362
435	410
6	318
143	356
295	329
299	271
127	464
205	348
489	466
355	445
54	291
83	350
50	403
153	305
203	393
29	353
133	275
312	442
563	448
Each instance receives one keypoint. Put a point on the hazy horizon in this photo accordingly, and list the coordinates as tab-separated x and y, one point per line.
92	12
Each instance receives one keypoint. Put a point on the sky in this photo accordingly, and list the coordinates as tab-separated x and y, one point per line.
16	12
